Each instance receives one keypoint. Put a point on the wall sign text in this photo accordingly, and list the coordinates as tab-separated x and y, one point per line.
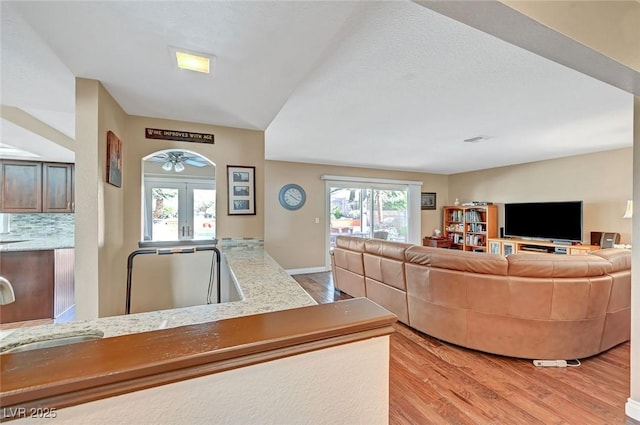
180	136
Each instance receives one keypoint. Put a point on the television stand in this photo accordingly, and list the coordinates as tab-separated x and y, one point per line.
506	246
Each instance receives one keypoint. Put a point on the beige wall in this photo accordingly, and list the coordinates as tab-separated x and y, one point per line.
112	204
610	27
100	208
602	180
293	238
232	146
88	185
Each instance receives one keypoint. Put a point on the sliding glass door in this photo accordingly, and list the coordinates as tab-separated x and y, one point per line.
368	211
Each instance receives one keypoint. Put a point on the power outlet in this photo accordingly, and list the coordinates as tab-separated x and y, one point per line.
550	363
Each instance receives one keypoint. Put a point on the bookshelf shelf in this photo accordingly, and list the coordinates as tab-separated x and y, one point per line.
470	227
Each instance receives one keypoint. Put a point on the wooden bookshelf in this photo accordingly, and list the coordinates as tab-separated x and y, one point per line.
469	228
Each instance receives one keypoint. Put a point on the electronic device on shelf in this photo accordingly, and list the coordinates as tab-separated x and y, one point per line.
608	240
554	221
535	248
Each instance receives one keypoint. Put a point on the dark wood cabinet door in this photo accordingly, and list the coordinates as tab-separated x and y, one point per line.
20	186
57	187
31	274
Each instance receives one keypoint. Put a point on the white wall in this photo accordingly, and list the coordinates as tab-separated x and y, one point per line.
347	384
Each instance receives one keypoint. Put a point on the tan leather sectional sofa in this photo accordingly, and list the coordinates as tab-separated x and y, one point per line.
534	306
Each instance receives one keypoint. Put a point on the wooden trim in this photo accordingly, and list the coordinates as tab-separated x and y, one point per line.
78	373
64	279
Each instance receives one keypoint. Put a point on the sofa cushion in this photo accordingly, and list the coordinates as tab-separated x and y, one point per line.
351	243
388	271
390	298
384	262
351	283
386	248
552	265
620	259
348	254
465	261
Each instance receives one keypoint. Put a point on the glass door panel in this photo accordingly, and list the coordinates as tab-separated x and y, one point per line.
390	214
349	211
204	213
165	213
368	213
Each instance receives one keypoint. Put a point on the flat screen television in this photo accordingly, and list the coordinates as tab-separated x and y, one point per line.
556	221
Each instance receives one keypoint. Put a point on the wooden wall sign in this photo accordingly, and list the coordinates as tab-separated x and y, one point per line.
180	136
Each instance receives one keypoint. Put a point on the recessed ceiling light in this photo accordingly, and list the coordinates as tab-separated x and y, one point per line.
193	61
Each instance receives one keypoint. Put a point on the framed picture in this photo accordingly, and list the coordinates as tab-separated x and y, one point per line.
241	190
114	159
428	200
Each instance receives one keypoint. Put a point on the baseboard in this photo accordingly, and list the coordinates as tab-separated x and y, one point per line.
632	409
307	270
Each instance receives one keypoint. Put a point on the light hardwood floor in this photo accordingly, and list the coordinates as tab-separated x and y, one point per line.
433	382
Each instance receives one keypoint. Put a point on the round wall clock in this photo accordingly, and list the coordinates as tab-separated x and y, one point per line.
292	197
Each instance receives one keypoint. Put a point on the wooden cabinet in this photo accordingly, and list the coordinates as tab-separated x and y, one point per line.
520	246
32	187
501	246
57	187
43	282
436	242
470	227
31	274
21	188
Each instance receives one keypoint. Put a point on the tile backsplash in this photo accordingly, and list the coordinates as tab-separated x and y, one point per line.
39	225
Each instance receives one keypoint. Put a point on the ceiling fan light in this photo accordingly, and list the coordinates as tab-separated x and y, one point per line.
167	166
179	167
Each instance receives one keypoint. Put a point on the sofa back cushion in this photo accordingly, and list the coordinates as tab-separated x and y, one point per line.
348	254
384	262
557	266
620	259
350	242
463	261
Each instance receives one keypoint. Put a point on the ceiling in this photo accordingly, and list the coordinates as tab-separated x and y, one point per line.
392	85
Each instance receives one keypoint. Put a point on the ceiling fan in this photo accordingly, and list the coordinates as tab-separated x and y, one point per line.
177	159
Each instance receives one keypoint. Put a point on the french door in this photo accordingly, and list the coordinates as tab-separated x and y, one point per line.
179	210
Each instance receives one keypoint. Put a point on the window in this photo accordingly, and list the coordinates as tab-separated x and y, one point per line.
179	210
179	197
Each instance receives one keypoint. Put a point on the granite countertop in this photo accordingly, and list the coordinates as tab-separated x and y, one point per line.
265	286
9	244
